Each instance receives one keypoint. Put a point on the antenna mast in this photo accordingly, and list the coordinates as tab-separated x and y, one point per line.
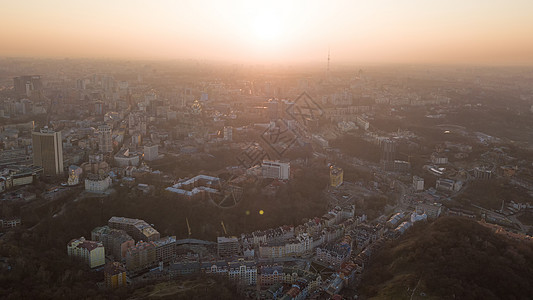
327	70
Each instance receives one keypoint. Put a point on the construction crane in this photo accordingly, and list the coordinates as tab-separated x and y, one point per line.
224	227
188	226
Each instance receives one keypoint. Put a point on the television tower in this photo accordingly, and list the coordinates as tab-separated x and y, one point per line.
327	70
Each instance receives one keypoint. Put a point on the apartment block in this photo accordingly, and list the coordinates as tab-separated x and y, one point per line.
91	252
141	256
138	229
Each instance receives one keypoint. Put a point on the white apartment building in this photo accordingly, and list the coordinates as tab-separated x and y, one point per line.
91	252
418	183
276	169
96	183
151	152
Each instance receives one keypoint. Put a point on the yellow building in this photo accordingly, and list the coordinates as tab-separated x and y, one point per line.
91	252
336	176
114	275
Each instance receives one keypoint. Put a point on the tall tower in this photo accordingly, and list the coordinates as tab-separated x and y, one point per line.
327	70
48	151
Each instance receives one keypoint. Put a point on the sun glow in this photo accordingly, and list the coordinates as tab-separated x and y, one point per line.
273	30
267	28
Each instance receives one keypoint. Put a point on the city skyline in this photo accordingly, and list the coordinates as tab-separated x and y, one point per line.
274	150
444	32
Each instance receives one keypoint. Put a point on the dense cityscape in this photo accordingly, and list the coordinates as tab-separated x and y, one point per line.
340	163
269	150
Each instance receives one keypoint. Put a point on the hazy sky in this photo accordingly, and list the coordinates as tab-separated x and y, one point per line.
371	31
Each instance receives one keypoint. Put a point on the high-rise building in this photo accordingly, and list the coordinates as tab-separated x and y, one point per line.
48	151
388	154
99	107
26	85
151	152
105	143
388	150
141	256
116	242
165	249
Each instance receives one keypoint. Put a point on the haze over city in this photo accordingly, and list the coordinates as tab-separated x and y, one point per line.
371	32
266	150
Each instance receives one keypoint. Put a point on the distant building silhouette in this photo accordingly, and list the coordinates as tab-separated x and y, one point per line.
388	154
26	85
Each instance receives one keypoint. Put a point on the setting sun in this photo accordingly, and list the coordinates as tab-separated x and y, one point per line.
267	28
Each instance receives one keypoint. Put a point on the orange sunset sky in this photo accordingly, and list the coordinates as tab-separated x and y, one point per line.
378	31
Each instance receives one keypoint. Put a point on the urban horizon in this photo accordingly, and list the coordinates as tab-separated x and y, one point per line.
266	150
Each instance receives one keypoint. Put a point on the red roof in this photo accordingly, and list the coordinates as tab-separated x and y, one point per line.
89	245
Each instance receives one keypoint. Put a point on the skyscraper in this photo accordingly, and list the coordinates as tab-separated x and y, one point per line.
104	139
48	151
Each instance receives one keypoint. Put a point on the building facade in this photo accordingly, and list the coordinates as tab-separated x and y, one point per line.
227	246
336	176
151	152
105	142
116	242
48	151
165	249
276	169
114	275
90	252
418	183
96	183
138	229
141	256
